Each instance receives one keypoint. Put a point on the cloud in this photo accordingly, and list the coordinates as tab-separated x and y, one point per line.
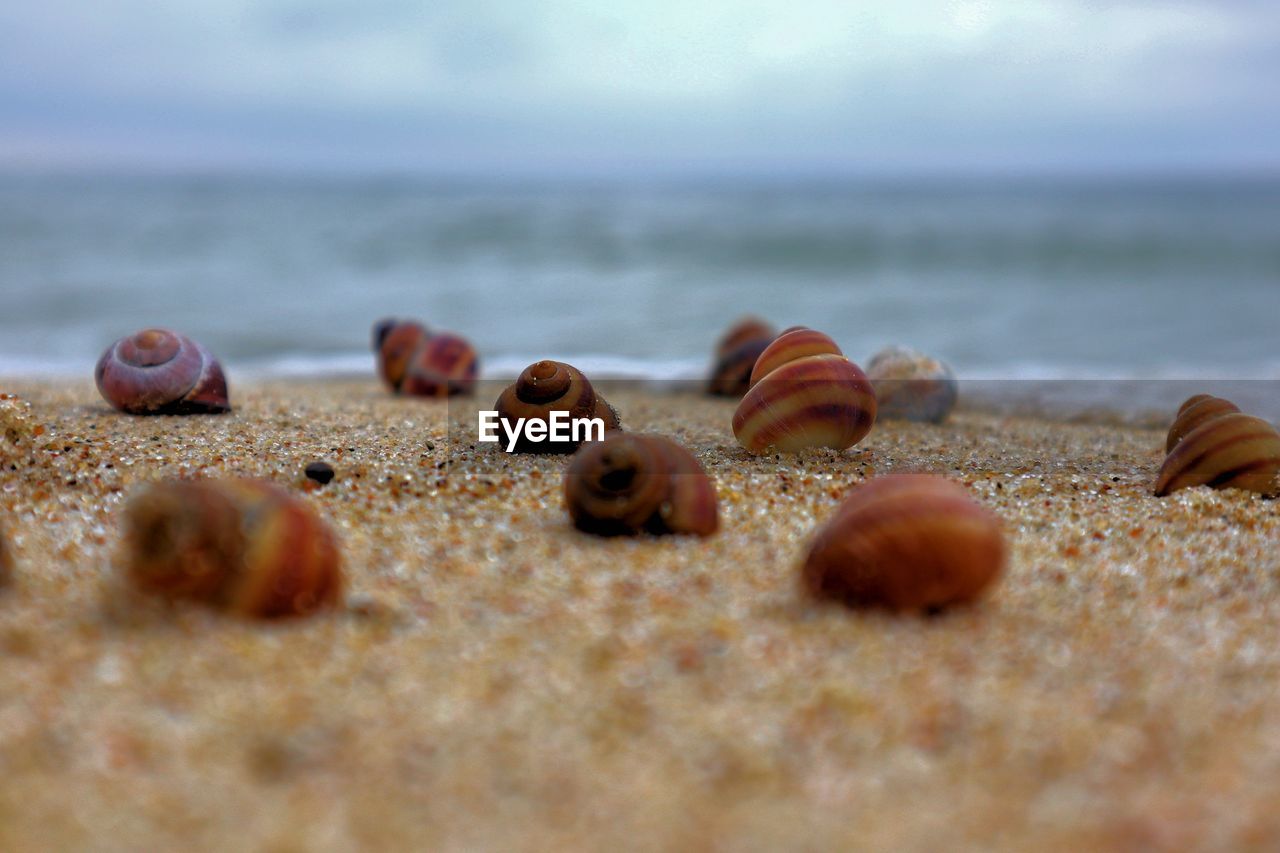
948	84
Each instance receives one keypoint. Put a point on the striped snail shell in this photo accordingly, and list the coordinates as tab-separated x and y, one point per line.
736	354
395	342
1197	410
442	366
906	542
552	386
159	372
413	361
1231	451
911	385
804	393
243	546
639	483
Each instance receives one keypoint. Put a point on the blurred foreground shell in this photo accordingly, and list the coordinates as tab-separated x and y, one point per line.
415	362
243	546
911	385
736	355
639	483
159	372
552	386
804	393
1197	410
1231	451
906	542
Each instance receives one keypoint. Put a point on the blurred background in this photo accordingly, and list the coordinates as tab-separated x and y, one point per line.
1026	188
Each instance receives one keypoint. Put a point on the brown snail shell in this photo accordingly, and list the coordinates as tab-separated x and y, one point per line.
1197	410
906	542
639	483
159	372
552	386
736	355
442	366
804	393
1231	451
911	385
243	546
395	342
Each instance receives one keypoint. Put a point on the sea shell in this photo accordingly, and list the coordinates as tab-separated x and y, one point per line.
415	362
1197	410
442	366
911	385
1231	451
736	355
395	342
639	483
244	546
552	386
906	542
804	393
159	372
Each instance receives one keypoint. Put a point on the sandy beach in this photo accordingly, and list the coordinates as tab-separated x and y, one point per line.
497	679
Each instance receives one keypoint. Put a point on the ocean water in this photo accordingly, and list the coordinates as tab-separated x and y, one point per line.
1020	280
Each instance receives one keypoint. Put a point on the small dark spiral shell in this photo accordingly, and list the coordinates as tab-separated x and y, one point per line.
736	354
243	546
443	366
1197	410
159	372
1231	451
552	386
639	483
906	542
396	341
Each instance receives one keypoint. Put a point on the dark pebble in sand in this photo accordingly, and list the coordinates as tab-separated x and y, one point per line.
321	472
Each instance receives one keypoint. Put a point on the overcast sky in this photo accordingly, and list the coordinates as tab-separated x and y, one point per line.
549	86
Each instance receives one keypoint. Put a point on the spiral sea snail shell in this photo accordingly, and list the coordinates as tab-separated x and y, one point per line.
417	363
243	546
911	385
159	372
1230	451
639	483
735	355
804	393
906	542
1197	410
552	386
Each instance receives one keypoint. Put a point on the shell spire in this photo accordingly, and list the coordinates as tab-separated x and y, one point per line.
552	386
1197	410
